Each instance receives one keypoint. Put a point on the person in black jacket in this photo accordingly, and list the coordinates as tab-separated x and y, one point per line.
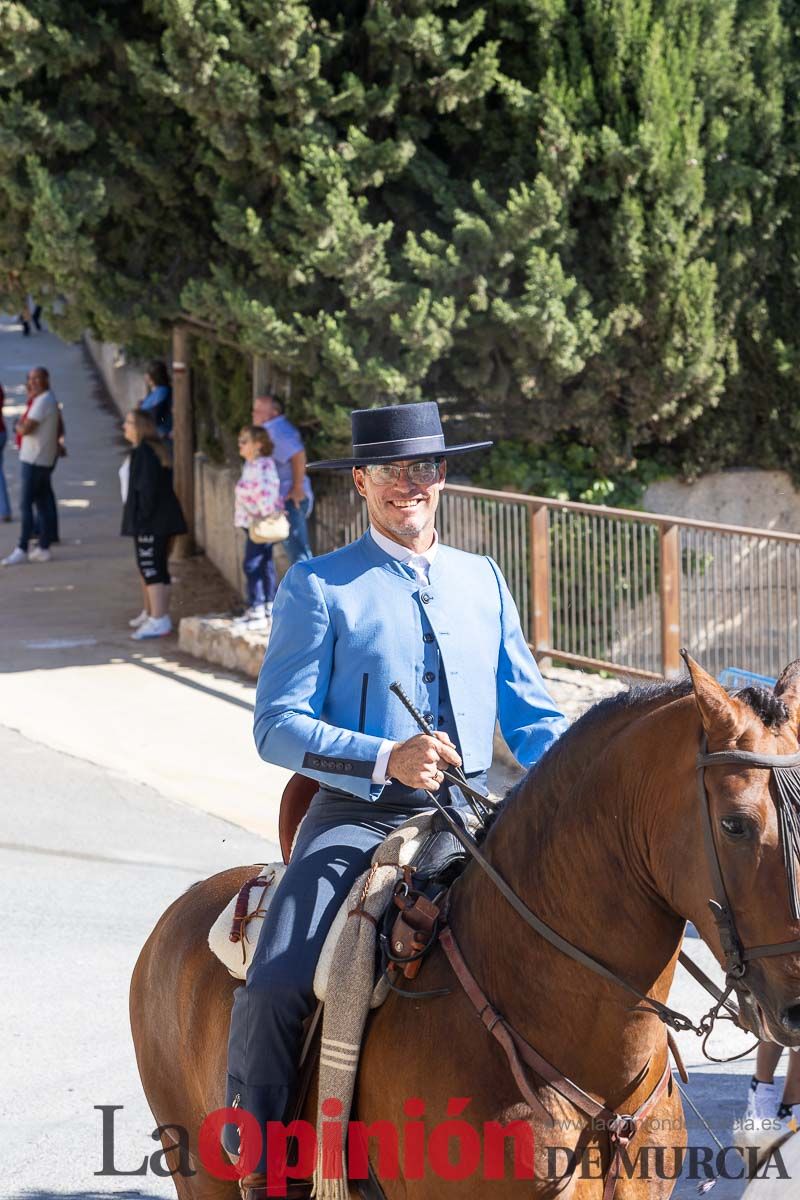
151	516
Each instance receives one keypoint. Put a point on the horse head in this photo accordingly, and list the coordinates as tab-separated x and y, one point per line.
749	811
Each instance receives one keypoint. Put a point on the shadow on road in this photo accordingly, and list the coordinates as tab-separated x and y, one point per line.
47	1194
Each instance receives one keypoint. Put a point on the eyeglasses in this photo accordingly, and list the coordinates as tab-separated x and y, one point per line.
424	472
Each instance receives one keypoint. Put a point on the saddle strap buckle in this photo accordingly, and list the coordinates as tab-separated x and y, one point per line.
413	931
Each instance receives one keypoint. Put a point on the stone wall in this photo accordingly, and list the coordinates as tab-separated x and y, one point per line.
124	383
757	499
213	519
739	592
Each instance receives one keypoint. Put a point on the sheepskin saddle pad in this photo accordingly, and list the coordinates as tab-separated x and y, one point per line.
234	934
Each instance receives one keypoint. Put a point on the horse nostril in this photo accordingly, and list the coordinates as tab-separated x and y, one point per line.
790	1020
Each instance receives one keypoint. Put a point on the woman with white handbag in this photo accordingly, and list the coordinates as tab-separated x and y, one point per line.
260	512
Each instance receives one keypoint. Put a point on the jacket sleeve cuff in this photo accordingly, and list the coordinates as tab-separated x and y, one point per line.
380	772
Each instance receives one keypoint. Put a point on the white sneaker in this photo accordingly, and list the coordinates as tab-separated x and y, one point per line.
762	1101
140	619
258	624
249	614
39	555
255	619
16	556
153	627
759	1128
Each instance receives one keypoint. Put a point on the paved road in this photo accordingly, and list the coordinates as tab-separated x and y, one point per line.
88	860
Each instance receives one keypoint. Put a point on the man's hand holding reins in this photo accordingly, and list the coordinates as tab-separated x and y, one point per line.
418	762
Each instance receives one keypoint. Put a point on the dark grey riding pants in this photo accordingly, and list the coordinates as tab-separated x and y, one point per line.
334	846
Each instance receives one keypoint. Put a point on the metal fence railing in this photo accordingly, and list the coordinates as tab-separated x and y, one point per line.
618	589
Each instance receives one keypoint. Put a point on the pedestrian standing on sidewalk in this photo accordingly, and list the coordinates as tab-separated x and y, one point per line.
257	495
61	452
151	516
37	438
5	503
290	459
158	401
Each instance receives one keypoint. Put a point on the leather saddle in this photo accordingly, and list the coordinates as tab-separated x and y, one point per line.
295	801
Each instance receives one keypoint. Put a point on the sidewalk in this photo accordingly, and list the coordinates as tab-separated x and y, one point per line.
71	678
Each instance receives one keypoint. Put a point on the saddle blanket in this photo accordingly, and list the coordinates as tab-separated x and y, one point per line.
233	936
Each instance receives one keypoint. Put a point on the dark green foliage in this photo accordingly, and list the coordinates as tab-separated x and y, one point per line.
222	388
574	221
564	470
96	173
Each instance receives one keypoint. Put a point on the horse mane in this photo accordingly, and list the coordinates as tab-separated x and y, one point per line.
601	720
766	705
553	775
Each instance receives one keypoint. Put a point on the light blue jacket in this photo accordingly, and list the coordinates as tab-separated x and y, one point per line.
349	623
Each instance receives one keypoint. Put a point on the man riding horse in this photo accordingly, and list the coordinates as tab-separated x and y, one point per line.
395	605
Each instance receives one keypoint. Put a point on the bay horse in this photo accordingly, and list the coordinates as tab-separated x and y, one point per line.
603	840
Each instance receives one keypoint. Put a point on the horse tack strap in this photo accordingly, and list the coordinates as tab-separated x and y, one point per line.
706	982
781	765
621	1127
739	758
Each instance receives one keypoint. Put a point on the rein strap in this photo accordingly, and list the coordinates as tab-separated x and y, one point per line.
622	1128
669	1016
736	957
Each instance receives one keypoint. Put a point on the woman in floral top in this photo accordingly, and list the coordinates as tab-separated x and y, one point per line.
257	495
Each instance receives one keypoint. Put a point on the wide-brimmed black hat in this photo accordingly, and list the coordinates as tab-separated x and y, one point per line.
382	435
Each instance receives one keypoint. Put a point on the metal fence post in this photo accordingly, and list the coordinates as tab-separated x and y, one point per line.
670	591
540	604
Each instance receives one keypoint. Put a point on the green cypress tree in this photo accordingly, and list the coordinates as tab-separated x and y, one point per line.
96	176
567	218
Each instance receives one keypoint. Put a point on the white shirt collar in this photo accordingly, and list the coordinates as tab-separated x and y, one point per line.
402	553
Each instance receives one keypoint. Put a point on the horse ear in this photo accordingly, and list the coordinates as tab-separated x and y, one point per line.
787	689
722	715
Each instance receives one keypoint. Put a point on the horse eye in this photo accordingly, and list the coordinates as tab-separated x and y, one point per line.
735	827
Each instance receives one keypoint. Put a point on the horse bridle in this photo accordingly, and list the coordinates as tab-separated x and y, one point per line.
785	770
786	773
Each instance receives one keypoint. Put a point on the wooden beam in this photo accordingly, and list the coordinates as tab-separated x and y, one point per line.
670	589
263	382
540	601
183	435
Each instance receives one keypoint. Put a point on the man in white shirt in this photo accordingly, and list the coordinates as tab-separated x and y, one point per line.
37	438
